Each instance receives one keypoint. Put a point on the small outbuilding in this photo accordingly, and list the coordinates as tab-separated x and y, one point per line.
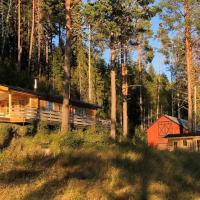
187	142
163	126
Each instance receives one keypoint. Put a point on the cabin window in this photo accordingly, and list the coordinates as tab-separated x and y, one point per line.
175	145
7	108
80	111
21	105
185	143
59	107
49	106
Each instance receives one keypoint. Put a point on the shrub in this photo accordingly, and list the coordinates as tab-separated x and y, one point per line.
140	136
6	134
43	127
27	130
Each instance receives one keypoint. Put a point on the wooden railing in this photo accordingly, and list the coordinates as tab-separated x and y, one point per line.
50	116
106	123
53	117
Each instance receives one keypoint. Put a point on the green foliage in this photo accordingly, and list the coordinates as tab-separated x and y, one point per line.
43	128
89	138
26	130
140	136
117	171
6	134
57	62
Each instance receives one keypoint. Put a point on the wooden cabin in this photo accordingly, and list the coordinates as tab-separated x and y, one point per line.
187	142
157	132
18	105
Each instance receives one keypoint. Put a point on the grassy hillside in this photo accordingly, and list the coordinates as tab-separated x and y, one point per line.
90	166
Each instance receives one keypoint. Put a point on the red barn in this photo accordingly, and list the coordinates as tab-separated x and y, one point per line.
163	126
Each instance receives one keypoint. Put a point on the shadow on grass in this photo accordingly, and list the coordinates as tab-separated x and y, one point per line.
49	190
18	176
179	171
34	167
79	166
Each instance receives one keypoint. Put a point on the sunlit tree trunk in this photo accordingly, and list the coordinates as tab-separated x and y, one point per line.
46	52
4	31
67	66
32	36
39	29
19	35
113	88
188	45
158	91
124	91
140	82
46	48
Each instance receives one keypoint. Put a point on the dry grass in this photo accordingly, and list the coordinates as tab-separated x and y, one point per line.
87	168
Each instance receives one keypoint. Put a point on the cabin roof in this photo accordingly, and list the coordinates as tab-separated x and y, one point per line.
182	135
53	98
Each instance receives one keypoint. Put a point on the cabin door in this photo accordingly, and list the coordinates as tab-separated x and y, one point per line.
198	145
175	145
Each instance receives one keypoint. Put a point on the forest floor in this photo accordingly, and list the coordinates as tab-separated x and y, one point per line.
93	167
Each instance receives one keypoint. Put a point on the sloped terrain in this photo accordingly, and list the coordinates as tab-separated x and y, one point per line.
89	166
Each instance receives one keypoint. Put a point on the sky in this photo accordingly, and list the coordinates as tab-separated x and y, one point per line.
155	44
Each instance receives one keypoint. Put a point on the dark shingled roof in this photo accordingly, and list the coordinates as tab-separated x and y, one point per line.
181	122
54	98
182	135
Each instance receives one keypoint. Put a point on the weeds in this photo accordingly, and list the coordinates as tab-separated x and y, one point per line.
88	165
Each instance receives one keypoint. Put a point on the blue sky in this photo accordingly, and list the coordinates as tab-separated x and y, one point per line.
155	44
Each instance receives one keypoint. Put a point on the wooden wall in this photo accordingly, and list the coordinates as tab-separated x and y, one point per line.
21	101
159	129
187	143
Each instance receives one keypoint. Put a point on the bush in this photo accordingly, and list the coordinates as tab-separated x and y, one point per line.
27	130
43	127
140	136
90	138
6	134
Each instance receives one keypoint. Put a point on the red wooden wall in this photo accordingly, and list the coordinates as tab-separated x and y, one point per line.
159	129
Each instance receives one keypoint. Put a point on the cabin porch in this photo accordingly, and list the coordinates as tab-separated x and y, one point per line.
22	107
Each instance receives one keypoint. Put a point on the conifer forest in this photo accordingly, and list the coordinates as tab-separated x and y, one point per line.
127	64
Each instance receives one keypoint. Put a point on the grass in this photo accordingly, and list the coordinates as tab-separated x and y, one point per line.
84	165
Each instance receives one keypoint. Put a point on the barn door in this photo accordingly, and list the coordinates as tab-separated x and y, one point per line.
164	128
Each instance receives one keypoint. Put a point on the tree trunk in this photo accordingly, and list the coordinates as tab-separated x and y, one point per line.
46	48
113	88
178	105
4	31
89	64
19	36
39	29
188	45
32	36
67	65
124	92
158	91
140	82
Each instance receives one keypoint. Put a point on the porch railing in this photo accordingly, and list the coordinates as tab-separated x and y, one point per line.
52	117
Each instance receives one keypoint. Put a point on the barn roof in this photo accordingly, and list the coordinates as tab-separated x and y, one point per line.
181	122
54	98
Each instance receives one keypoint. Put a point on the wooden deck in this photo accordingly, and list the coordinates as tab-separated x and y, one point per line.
28	115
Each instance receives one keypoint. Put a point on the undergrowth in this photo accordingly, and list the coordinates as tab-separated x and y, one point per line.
88	165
